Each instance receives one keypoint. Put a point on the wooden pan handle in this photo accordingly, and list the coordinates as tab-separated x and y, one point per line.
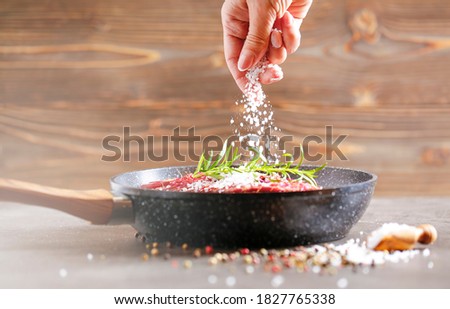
95	206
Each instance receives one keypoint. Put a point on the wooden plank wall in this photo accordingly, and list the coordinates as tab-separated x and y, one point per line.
73	72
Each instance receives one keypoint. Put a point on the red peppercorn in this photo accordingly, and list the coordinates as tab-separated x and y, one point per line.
276	268
245	251
209	250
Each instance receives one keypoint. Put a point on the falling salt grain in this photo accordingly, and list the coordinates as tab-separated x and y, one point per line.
255	105
63	273
342	283
230	281
277	281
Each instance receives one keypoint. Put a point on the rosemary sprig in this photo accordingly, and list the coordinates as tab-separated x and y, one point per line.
224	164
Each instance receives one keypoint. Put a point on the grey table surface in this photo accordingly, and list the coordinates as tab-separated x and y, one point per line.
38	245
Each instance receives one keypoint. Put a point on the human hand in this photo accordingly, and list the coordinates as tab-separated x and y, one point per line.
248	35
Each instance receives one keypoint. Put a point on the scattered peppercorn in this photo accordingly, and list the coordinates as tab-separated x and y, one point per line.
209	250
245	251
218	256
248	259
197	253
187	264
320	259
212	261
276	268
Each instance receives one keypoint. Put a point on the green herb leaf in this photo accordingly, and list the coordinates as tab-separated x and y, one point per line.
222	165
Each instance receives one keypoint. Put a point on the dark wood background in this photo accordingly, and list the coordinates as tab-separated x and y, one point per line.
73	72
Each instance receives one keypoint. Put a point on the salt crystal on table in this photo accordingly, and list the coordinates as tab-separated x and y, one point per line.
249	269
230	281
366	270
316	269
342	283
277	281
63	273
212	279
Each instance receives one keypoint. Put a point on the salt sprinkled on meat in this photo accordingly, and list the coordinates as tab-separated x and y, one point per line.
235	179
240	181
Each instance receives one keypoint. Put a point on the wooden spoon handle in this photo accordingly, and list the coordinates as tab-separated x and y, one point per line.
95	206
405	239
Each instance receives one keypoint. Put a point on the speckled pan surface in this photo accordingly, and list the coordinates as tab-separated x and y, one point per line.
252	220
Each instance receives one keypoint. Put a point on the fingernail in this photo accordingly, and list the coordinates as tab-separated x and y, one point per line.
276	39
246	61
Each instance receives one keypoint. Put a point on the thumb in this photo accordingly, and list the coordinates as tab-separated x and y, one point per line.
261	20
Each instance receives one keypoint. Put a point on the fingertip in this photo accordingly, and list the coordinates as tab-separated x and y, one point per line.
271	80
294	44
288	19
298	23
271	75
291	35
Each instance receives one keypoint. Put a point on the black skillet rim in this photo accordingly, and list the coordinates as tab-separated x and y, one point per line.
120	188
